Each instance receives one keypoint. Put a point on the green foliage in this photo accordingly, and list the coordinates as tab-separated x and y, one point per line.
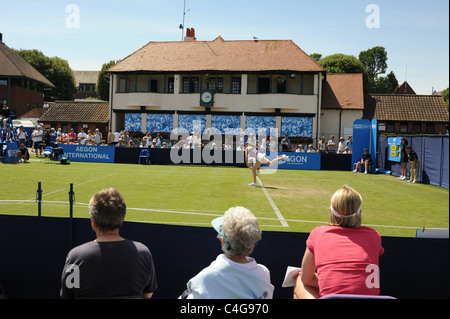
374	60
386	84
341	63
102	87
316	56
445	96
56	70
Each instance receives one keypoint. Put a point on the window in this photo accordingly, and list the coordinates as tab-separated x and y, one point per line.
382	126
281	86
123	85
390	127
212	84
236	86
417	127
190	85
87	87
170	88
430	128
403	127
263	85
154	86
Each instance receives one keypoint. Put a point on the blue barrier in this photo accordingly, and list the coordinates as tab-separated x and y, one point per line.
433	156
32	259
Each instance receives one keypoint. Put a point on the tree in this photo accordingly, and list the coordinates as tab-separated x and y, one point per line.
445	96
56	70
316	56
374	60
341	63
385	84
102	87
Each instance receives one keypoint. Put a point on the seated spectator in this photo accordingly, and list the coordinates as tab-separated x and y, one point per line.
344	253
300	149
122	143
143	143
366	160
341	146
164	145
109	266
233	275
310	149
154	145
346	150
23	154
414	165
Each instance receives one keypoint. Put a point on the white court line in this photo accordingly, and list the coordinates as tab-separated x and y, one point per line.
65	188
193	212
274	207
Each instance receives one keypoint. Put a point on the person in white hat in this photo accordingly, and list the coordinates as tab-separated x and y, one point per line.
233	275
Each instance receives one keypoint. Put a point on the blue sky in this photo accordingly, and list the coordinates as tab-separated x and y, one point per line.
414	33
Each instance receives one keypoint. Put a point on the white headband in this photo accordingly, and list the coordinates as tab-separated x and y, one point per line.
335	213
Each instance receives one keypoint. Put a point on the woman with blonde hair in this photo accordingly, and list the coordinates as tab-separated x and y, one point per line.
341	257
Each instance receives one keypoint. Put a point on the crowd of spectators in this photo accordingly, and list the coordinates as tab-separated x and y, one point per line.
340	257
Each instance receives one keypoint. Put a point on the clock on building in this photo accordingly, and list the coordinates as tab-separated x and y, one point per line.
206	98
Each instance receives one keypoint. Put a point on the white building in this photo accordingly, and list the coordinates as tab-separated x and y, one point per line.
236	84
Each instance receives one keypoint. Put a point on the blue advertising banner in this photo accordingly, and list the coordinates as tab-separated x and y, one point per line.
361	139
87	153
300	161
394	149
11	151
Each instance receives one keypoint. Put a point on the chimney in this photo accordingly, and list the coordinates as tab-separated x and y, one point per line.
1	38
190	35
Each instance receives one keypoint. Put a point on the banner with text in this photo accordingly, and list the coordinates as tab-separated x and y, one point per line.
87	153
301	161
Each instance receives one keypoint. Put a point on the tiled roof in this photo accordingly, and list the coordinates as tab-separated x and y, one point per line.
343	91
85	77
407	108
12	64
77	112
405	88
218	55
34	113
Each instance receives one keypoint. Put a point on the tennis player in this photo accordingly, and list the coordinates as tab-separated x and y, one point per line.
254	158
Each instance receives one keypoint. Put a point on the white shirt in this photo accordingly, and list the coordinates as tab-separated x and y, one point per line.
38	135
21	134
244	281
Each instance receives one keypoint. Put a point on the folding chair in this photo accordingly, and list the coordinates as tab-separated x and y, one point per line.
48	154
144	157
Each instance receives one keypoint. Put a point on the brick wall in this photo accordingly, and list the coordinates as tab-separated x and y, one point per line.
21	99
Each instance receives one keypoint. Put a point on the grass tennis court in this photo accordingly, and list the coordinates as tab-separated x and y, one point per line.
295	201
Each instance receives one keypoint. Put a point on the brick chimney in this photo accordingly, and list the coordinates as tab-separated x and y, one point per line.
190	35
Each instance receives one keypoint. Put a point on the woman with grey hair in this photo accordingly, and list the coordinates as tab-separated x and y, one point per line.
233	275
